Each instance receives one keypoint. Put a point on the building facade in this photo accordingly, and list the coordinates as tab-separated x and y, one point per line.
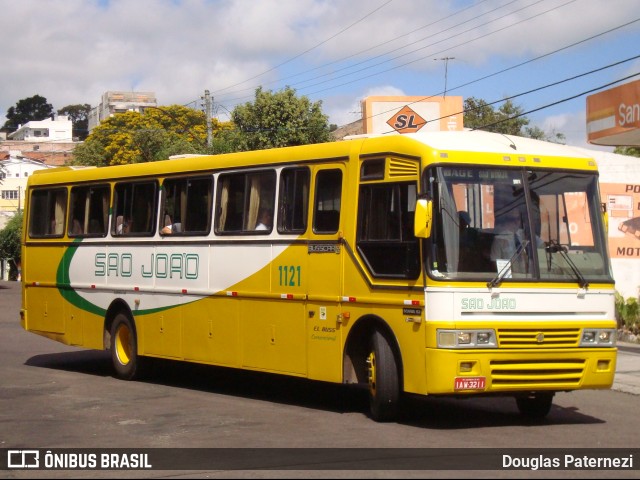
48	130
14	173
119	102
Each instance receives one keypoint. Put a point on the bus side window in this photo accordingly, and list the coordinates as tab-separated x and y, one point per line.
47	212
241	198
293	203
326	212
134	209
89	210
186	206
385	236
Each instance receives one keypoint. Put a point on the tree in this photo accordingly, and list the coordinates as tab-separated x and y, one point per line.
28	109
508	119
79	116
631	151
132	137
10	240
279	119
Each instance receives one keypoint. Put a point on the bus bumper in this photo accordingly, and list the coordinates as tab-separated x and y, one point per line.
495	371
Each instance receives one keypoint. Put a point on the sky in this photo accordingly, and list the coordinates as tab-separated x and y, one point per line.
334	51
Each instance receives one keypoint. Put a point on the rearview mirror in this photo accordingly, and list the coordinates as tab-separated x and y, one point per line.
423	218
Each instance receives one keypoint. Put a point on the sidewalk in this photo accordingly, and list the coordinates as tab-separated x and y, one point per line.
627	377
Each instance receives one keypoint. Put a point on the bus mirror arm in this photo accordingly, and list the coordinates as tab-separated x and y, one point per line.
423	218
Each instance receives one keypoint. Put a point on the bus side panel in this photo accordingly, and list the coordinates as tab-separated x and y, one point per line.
210	331
324	337
44	307
162	333
273	333
74	321
43	301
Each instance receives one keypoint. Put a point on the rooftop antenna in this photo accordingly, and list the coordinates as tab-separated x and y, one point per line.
446	65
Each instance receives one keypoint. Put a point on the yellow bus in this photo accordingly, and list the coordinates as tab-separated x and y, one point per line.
443	263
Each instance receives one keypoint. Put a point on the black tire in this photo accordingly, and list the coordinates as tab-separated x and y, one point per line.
124	348
384	386
535	406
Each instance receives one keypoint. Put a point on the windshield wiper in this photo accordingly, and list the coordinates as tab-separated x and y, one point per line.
497	280
555	247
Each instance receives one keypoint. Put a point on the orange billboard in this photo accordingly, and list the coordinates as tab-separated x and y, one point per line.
613	116
386	114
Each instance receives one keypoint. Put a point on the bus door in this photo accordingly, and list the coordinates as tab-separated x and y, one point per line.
325	254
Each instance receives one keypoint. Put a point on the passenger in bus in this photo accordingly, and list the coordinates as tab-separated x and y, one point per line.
76	227
508	236
264	219
170	227
123	225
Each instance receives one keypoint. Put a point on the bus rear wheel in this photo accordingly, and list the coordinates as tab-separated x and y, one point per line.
384	387
124	348
535	406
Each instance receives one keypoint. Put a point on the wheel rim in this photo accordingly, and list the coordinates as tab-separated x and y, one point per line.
371	364
123	344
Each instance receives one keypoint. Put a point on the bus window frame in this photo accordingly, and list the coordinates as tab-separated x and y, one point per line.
162	212
316	199
70	220
49	190
285	202
271	174
153	208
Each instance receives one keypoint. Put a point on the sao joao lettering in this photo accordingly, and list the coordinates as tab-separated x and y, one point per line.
158	265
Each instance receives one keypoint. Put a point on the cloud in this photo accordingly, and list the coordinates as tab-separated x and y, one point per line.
347	109
72	51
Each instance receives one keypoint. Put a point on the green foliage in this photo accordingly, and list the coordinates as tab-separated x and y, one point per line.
10	243
132	137
508	119
79	116
33	108
628	313
278	120
272	120
631	151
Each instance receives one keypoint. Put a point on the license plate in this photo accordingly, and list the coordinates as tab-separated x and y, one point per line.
470	383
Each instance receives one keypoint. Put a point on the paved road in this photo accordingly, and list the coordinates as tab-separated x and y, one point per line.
55	396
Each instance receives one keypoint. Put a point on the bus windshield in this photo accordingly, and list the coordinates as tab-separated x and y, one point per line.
499	225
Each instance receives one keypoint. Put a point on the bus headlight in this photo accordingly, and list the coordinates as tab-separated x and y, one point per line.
466	339
598	337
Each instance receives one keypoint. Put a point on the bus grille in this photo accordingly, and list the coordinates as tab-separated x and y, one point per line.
538	338
536	373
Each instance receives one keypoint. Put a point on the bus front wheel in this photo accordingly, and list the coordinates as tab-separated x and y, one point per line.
384	387
124	348
535	406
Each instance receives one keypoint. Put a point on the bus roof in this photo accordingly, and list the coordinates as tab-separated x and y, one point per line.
488	142
409	144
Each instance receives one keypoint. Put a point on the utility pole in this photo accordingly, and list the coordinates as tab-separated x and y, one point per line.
446	64
208	113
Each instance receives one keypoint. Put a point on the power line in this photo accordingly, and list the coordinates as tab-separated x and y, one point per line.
511	25
573	97
441	51
395	39
513	67
534	90
309	49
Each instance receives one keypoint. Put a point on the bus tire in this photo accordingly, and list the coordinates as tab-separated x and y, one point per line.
384	387
535	406
124	348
